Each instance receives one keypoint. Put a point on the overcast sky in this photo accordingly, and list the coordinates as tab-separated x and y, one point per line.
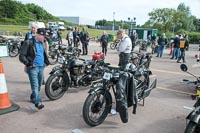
104	9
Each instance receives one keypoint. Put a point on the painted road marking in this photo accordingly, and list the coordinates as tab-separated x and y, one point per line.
172	90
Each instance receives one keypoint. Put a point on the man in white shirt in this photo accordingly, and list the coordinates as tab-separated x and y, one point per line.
124	48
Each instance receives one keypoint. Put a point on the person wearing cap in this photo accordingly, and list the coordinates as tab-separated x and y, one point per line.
124	48
34	57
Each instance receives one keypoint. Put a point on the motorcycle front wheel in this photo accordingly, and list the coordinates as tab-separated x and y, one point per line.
55	87
192	127
96	108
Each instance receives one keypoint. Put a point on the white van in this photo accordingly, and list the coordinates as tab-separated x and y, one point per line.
38	24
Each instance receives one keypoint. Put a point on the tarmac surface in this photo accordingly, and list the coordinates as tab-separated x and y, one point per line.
163	112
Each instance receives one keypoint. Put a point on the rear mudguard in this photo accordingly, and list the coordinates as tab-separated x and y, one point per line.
194	116
152	86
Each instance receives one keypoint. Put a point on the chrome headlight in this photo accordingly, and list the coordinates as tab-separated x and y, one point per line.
61	59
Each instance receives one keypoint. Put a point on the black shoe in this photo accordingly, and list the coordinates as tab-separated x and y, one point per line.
33	100
171	58
39	106
178	62
43	82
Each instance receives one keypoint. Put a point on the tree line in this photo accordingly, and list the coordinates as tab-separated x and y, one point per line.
14	12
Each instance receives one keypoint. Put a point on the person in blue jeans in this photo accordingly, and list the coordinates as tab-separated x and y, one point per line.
162	41
176	50
34	57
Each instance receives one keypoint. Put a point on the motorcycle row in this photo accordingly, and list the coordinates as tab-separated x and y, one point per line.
143	45
110	86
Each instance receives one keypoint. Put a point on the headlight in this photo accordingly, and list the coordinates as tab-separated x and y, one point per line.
61	59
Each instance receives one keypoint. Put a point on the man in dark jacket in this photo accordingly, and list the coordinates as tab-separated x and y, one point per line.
184	43
104	42
84	37
176	48
34	57
162	41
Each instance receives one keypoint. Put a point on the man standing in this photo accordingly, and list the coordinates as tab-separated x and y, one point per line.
124	48
33	55
162	41
104	42
184	43
84	37
31	33
133	39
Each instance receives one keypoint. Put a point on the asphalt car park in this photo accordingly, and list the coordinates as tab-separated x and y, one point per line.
163	111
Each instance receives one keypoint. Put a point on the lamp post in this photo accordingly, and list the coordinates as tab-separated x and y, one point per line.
113	28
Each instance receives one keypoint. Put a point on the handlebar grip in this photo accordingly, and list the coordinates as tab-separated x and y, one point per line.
185	80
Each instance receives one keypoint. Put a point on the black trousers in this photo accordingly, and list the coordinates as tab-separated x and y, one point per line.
123	59
85	48
104	48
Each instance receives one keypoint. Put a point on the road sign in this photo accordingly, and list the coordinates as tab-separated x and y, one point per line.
133	23
3	50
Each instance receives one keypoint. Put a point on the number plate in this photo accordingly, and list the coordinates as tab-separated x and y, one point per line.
107	76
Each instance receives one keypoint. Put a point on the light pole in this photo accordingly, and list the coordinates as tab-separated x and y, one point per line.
113	28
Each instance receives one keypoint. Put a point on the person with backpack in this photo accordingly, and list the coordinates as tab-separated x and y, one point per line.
104	42
162	41
34	57
84	37
184	43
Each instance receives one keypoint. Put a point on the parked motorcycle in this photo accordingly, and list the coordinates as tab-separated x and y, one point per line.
56	50
113	45
193	119
99	101
73	71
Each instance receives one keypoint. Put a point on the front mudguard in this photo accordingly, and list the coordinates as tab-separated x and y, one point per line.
56	69
65	77
194	116
95	90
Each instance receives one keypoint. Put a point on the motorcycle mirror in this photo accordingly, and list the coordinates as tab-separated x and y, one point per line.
183	67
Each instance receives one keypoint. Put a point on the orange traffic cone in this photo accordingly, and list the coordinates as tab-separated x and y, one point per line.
5	105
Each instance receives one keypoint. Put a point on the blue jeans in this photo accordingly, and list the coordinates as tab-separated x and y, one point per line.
176	53
36	75
160	50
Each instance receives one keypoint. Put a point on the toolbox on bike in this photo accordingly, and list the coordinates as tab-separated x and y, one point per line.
97	56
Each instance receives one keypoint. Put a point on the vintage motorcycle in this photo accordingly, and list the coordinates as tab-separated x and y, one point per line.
73	71
193	126
55	50
99	101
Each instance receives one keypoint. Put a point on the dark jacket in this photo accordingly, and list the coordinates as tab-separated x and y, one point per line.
176	42
28	52
104	39
126	91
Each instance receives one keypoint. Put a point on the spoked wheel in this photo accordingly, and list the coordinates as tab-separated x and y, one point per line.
113	46
55	87
13	50
96	108
192	128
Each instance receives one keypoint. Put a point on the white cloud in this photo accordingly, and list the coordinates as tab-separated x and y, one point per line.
103	9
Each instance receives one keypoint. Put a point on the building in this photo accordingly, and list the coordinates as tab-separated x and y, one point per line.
78	20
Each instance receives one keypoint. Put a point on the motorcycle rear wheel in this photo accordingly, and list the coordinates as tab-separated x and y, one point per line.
113	46
13	50
192	127
96	108
55	87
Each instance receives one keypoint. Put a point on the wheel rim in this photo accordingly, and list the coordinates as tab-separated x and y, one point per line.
56	86
97	108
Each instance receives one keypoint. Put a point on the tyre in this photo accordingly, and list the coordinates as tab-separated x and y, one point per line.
192	127
13	50
113	46
55	87
96	108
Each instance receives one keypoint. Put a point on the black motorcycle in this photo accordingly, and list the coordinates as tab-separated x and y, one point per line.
73	72
193	125
57	50
99	101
